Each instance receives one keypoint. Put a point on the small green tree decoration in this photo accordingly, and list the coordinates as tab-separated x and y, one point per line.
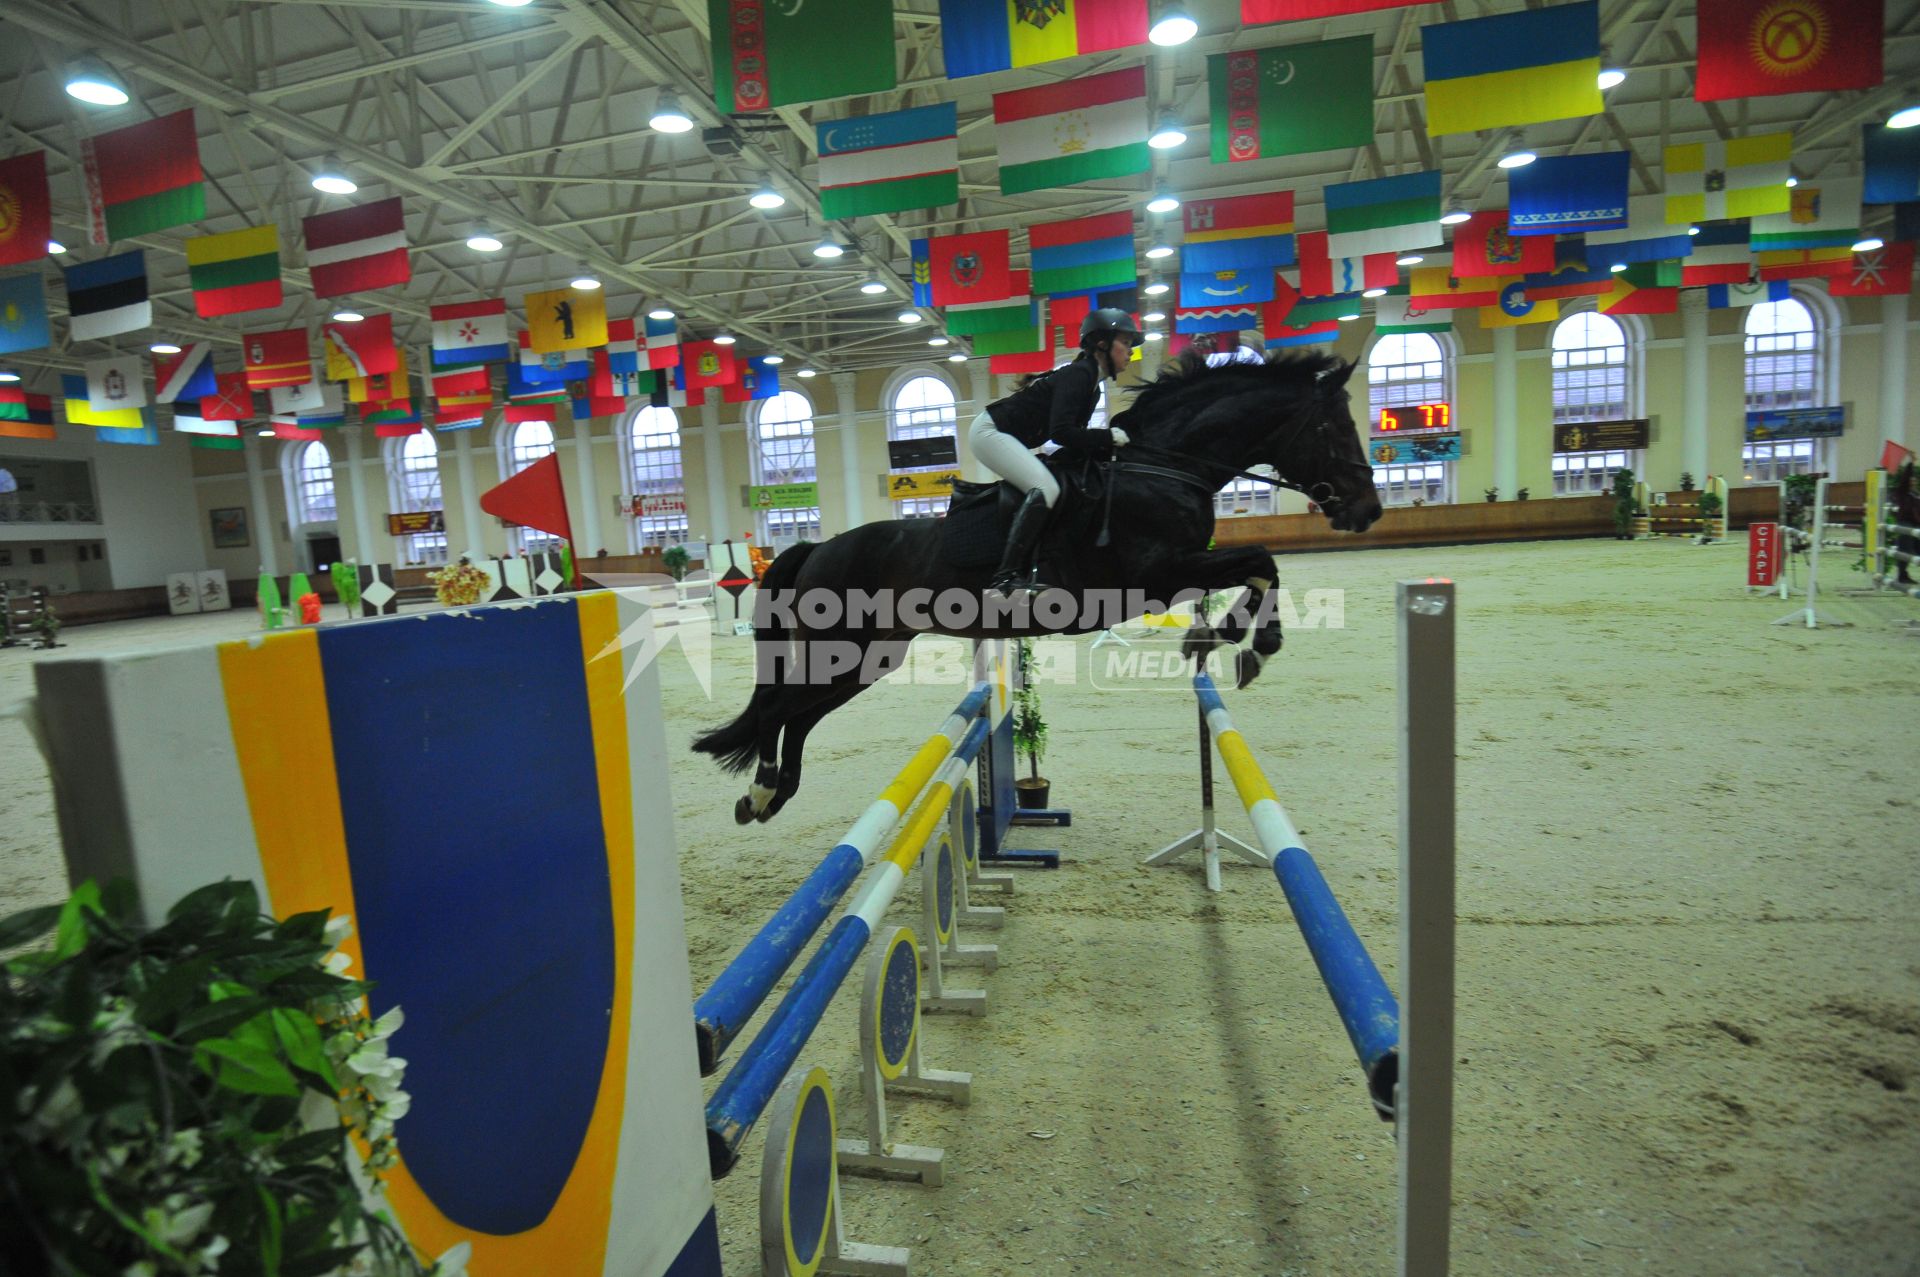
47	625
1624	507
1029	724
1493	494
676	562
1686	481
346	585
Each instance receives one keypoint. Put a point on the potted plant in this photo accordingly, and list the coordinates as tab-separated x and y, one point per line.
1712	526
205	1096
1624	507
460	584
675	560
346	586
47	626
1029	733
1493	494
1686	481
1520	495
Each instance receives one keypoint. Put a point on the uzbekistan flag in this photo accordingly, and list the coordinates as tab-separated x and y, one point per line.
1384	215
360	349
1708	181
1513	68
470	332
1241	232
278	358
108	297
1082	254
1823	216
143	178
1322	275
1569	193
357	249
1647	236
982	36
663	342
1072	131
235	272
889	163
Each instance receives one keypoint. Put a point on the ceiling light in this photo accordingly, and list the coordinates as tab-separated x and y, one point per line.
938	341
1174	27
1374	292
1168	135
347	316
481	242
164	348
659	312
329	180
829	248
1617	267
957	359
766	197
1345	318
55	247
873	286
585	283
667	115
264	434
1455	215
1409	259
1905	118
1153	316
1159	251
9	376
1793	181
773	359
723	339
1871	243
1155	336
1156	288
908	317
513	4
1163	202
1517	159
89	80
1693	230
808	372
1612	77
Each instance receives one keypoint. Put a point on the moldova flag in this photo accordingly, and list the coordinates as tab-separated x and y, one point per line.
983	36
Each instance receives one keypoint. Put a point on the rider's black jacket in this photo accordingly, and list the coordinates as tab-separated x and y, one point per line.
1056	405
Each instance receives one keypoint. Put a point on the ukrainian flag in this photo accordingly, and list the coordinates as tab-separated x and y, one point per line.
1513	68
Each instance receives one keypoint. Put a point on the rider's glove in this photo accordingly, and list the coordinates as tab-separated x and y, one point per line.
1120	439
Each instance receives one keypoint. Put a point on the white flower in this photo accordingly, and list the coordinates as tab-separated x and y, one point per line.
211	1252
182	1228
338	928
144	1268
337	963
454	1262
387	1025
184	1149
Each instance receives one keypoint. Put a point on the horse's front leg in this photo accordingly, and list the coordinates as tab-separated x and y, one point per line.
1248	566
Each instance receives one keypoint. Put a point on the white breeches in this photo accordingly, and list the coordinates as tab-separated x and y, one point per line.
1012	460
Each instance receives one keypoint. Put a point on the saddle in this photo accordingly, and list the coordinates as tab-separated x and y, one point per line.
980	515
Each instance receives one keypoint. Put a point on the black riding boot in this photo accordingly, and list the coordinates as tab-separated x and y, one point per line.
1017	564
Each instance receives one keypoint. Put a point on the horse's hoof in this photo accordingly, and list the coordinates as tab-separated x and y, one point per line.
1200	640
1246	667
765	816
743	811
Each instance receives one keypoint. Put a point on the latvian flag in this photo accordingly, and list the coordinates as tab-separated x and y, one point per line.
187	375
663	343
357	249
471	332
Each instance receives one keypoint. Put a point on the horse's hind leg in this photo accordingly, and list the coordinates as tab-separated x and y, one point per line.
876	659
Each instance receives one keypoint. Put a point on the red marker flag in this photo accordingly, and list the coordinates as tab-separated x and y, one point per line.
534	498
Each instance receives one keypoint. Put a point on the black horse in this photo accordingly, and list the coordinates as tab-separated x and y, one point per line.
1192	429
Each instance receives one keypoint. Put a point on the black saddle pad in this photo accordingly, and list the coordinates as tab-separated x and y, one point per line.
980	515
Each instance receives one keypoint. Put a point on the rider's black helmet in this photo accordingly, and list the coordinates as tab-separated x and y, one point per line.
1108	321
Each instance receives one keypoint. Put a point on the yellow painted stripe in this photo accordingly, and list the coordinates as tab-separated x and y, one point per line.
926	818
255	241
283	740
1524	95
1248	780
913	777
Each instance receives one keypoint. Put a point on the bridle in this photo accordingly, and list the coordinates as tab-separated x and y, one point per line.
1321	493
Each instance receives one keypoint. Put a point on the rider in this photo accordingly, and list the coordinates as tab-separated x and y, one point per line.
1057	406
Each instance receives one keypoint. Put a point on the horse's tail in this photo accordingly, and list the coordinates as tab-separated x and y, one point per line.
736	745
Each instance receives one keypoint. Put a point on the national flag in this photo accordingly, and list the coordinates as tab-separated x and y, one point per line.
996	315
1822	215
1516	308
143	178
235	272
1804	263
982	36
23	314
1892	159
1635	292
1574	274
108	297
185	376
1220	319
1647	236
768	55
323	411
24	415
145	435
1384	214
758	380
1226	287
1561	193
566	319
1434	288
471	332
1400	314
663	343
1021	365
970	268
281	357
377	387
707	363
1322	275
1720	256
354	250
1754	48
1291	100
1082	253
26	211
1239	232
1512	68
361	348
922	272
1255	12
1728	296
1072	131
552	366
81	412
308	396
668	393
1744	177
116	382
1884	272
232	399
1037	335
889	163
191	424
1483	245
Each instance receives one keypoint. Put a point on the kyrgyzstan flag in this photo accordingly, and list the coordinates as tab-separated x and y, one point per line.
357	249
534	498
1756	48
26	214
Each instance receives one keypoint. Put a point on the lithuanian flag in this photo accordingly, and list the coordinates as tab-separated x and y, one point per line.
235	272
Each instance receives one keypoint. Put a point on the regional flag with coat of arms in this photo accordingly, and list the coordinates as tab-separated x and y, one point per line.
1884	272
1483	245
566	319
970	268
278	358
1756	48
707	363
360	349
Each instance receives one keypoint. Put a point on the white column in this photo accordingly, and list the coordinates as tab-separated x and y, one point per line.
470	526
1893	371
586	526
1506	414
263	522
1693	352
721	515
978	383
365	549
851	477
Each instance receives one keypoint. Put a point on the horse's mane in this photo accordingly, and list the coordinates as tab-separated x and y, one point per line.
1188	372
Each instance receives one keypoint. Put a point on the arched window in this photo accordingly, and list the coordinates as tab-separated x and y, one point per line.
922	408
782	434
413	472
1589	384
527	442
1783	371
654	469
313	485
1405	369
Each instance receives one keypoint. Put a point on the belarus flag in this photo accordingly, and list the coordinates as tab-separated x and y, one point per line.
357	249
471	332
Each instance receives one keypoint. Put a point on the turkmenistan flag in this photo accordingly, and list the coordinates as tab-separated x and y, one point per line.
143	178
1291	99
235	272
768	55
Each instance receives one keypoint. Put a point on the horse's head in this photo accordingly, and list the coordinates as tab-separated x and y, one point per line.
1320	453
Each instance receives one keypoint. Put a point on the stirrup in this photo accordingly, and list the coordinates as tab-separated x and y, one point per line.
1009	584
